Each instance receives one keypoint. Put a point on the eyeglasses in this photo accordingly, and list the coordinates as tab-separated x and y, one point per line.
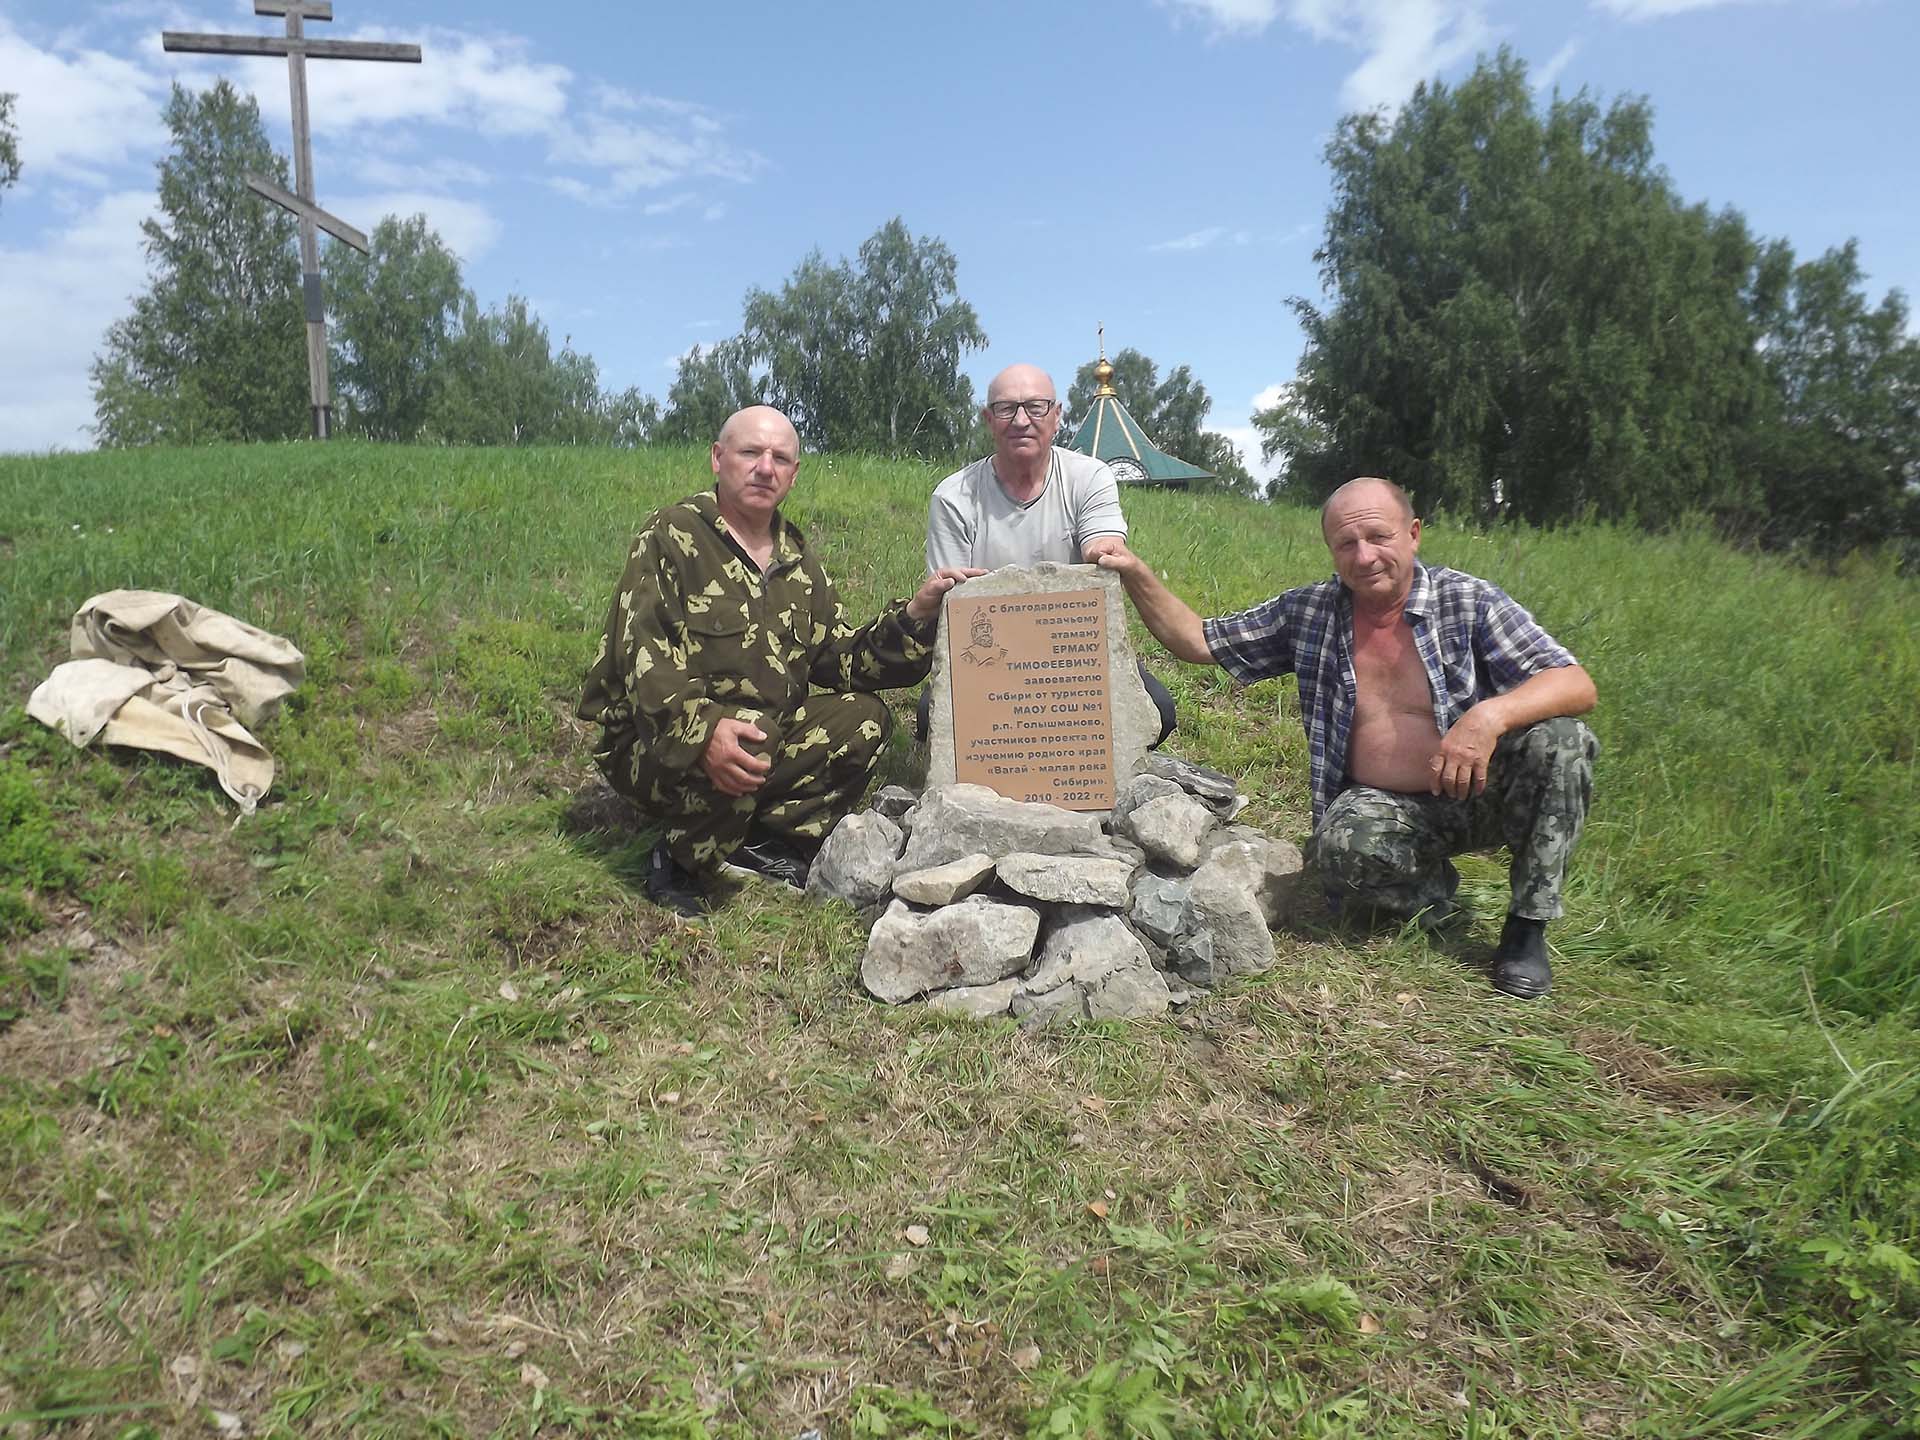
1036	409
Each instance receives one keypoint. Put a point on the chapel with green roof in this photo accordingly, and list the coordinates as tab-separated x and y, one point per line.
1109	433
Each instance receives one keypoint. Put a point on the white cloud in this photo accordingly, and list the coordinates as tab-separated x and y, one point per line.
1658	9
77	111
1246	440
579	190
1205	239
156	15
84	107
1543	78
479	83
385	173
667	206
1232	17
55	308
1195	240
1249	439
1404	41
715	211
614	97
468	228
643	156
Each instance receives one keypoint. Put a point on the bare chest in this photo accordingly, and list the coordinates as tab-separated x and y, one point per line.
1387	668
1393	736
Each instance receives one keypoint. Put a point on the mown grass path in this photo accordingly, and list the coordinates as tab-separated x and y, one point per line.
395	1111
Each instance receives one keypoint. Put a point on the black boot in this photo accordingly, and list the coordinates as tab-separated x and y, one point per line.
672	885
1520	967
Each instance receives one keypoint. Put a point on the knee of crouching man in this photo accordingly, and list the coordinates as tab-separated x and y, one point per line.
1560	737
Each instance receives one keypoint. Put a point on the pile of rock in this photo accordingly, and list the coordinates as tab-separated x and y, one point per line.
988	906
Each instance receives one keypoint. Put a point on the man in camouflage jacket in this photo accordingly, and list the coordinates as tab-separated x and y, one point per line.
723	627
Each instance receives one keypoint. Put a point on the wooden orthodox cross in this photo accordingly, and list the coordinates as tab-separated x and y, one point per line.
298	49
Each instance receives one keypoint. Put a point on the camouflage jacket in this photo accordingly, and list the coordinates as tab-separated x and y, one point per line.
696	633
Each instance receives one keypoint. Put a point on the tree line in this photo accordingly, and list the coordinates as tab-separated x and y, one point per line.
1521	318
863	353
1526	319
214	349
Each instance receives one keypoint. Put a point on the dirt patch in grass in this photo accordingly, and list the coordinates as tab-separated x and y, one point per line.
597	807
411	733
1646	1071
64	1042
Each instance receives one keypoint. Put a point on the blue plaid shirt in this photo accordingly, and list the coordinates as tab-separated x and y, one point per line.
1475	640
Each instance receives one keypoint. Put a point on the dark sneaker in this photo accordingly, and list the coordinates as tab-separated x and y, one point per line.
769	859
1520	966
671	885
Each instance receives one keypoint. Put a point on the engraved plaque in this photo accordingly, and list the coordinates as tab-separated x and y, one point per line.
1032	696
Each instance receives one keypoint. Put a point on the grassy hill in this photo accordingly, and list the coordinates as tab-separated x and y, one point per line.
394	1110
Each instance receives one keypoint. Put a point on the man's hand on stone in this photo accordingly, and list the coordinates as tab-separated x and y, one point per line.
926	601
733	770
1110	552
1459	766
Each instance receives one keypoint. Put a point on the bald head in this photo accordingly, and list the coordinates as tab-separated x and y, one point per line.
1367	490
756	416
1020	382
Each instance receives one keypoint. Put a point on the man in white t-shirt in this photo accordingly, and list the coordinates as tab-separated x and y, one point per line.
1028	501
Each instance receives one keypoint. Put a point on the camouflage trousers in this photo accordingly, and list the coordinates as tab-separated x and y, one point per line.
1391	851
823	755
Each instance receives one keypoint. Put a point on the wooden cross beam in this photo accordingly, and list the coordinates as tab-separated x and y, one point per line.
286	200
299	49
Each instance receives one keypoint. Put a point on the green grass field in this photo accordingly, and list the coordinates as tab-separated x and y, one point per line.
394	1110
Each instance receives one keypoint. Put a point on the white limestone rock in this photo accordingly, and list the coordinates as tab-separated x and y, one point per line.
1216	790
1067	879
977	1002
1226	906
1058	1006
1170	828
1114	847
1135	991
856	863
955	820
1137	791
1284	889
977	942
1179	992
1096	956
944	884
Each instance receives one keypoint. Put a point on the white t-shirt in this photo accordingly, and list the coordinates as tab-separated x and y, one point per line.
971	521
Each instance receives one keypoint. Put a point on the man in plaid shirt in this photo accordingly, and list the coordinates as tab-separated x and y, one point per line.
1439	717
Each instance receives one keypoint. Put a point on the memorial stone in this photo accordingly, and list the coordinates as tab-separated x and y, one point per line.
1035	690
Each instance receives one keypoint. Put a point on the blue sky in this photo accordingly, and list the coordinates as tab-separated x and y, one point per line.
1153	164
